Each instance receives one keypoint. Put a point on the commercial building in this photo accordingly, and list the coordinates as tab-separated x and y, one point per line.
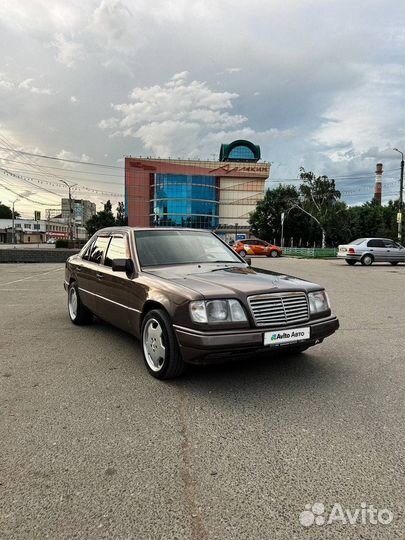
82	210
217	195
29	231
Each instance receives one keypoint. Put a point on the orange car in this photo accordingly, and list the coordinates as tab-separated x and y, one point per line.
256	247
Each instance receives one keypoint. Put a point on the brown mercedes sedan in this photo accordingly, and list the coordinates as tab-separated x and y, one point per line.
189	297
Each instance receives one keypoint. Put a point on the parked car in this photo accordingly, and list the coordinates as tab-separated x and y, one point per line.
51	241
189	297
254	246
369	250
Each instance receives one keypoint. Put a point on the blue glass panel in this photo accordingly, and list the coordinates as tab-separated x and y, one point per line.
241	152
188	201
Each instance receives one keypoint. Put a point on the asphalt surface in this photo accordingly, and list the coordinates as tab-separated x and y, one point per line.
93	447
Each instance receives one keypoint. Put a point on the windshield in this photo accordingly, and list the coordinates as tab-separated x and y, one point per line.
160	247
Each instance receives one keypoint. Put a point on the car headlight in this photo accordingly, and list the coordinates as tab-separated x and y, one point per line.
318	302
214	311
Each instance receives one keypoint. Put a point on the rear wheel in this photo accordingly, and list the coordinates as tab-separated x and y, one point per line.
367	260
394	263
160	348
242	253
78	313
350	262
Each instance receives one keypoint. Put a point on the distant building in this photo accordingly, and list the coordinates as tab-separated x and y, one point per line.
217	195
29	231
82	211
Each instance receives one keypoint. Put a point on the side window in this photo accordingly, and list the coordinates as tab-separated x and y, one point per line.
98	249
375	243
390	244
117	249
87	251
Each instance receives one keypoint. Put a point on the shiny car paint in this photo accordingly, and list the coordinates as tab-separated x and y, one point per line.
123	298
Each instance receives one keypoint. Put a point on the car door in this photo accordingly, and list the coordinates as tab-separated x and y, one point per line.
92	273
376	247
259	248
115	287
396	251
86	275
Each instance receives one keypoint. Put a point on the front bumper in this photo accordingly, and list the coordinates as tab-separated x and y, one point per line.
206	347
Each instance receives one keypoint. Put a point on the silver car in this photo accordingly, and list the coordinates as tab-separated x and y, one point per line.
369	250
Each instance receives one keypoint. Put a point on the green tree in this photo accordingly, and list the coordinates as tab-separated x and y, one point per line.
103	218
318	197
6	212
265	221
121	218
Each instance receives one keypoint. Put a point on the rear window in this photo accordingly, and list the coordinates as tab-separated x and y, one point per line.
358	241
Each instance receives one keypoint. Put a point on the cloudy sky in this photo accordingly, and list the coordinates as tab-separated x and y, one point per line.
317	83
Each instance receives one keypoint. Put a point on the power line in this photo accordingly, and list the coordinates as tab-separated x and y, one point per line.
43	156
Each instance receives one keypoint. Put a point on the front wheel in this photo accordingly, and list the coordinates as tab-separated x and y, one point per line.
367	260
159	345
350	262
273	253
78	313
394	263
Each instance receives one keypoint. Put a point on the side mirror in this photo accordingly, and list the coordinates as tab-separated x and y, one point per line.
248	260
123	265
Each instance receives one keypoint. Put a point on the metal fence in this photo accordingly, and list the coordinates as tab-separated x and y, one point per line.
310	252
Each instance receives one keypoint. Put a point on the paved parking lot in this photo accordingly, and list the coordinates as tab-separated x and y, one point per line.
93	447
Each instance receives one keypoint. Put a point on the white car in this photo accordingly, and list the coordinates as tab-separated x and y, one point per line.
369	250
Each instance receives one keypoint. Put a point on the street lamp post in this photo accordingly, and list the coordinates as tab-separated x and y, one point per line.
311	216
13	225
401	190
236	232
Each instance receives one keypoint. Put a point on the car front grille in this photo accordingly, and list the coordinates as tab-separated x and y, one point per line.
279	309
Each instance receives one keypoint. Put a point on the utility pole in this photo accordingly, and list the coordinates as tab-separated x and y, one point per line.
69	186
401	191
282	229
13	225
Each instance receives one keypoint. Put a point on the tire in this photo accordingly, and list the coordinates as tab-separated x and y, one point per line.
242	253
273	253
350	262
160	349
394	263
78	313
367	260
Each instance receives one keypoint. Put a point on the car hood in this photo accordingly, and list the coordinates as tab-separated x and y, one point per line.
212	281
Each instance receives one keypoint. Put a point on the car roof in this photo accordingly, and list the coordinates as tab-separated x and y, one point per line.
127	229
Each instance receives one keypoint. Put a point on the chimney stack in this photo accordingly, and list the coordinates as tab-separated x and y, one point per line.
378	183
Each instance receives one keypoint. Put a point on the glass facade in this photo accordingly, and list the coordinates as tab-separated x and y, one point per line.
185	201
241	152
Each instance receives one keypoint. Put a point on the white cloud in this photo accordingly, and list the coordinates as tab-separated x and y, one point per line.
183	118
233	69
115	27
27	84
69	52
5	83
73	99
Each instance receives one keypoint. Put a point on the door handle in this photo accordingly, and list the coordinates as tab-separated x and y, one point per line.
99	275
79	268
